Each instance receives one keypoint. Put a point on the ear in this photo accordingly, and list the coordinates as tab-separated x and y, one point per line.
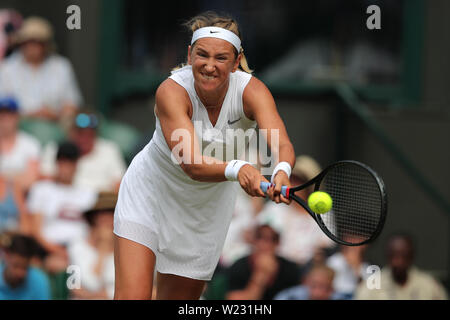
237	62
189	54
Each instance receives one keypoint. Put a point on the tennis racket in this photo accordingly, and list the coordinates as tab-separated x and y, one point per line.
359	202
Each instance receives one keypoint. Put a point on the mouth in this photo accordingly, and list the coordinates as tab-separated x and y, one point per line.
208	77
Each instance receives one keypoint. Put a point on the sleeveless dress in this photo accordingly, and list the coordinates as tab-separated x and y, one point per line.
183	221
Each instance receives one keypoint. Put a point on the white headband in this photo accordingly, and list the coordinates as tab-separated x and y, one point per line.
220	33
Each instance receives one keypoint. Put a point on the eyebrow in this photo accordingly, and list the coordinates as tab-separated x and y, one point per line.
218	54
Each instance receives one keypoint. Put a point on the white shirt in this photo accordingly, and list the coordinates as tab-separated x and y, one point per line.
52	84
345	279
83	255
26	148
99	170
300	234
419	286
62	207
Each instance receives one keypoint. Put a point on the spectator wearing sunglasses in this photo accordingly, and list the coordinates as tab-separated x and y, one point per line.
101	164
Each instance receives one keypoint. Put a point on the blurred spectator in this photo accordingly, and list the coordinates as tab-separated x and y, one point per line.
94	254
101	165
10	21
262	274
318	285
301	238
401	280
18	279
350	268
13	212
43	82
237	244
56	206
19	152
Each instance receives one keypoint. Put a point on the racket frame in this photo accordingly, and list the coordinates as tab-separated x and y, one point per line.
317	217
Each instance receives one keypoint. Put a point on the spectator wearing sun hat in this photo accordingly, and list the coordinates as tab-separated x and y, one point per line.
19	151
42	81
302	238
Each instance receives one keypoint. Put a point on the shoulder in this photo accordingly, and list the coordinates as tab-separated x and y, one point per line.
171	95
255	88
37	277
28	140
257	98
42	186
169	88
105	145
55	60
241	77
422	276
12	61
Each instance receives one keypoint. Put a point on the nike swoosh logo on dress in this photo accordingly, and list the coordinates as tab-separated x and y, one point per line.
231	122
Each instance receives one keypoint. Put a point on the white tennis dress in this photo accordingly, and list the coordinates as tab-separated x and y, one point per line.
183	221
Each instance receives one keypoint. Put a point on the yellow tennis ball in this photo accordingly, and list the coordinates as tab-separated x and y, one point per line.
320	202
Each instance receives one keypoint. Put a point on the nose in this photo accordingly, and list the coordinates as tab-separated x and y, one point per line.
210	66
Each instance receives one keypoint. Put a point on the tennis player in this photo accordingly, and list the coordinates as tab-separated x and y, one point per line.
174	215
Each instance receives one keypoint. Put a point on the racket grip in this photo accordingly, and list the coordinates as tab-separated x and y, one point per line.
284	189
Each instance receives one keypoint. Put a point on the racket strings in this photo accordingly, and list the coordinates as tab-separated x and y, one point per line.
357	203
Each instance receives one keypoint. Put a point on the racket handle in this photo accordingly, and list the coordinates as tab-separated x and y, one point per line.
284	189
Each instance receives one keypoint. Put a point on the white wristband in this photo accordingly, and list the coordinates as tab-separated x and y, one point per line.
286	167
232	169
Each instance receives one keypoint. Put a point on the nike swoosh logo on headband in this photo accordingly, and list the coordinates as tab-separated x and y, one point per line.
210	31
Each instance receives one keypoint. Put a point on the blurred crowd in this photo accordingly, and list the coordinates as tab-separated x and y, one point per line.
57	204
276	251
57	198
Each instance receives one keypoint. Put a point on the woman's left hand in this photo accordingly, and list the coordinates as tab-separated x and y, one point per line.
274	192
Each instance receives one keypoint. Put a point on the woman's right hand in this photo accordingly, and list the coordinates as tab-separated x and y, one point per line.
250	179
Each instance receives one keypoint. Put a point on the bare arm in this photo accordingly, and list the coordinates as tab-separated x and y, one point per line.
173	108
173	111
260	106
24	216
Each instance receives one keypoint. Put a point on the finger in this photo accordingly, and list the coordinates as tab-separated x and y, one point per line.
277	188
284	199
277	198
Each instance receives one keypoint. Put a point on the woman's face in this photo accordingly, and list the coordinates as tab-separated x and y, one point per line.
212	61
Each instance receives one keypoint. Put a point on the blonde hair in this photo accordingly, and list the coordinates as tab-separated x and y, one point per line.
212	19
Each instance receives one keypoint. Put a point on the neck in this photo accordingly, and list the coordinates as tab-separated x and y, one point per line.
63	181
212	99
